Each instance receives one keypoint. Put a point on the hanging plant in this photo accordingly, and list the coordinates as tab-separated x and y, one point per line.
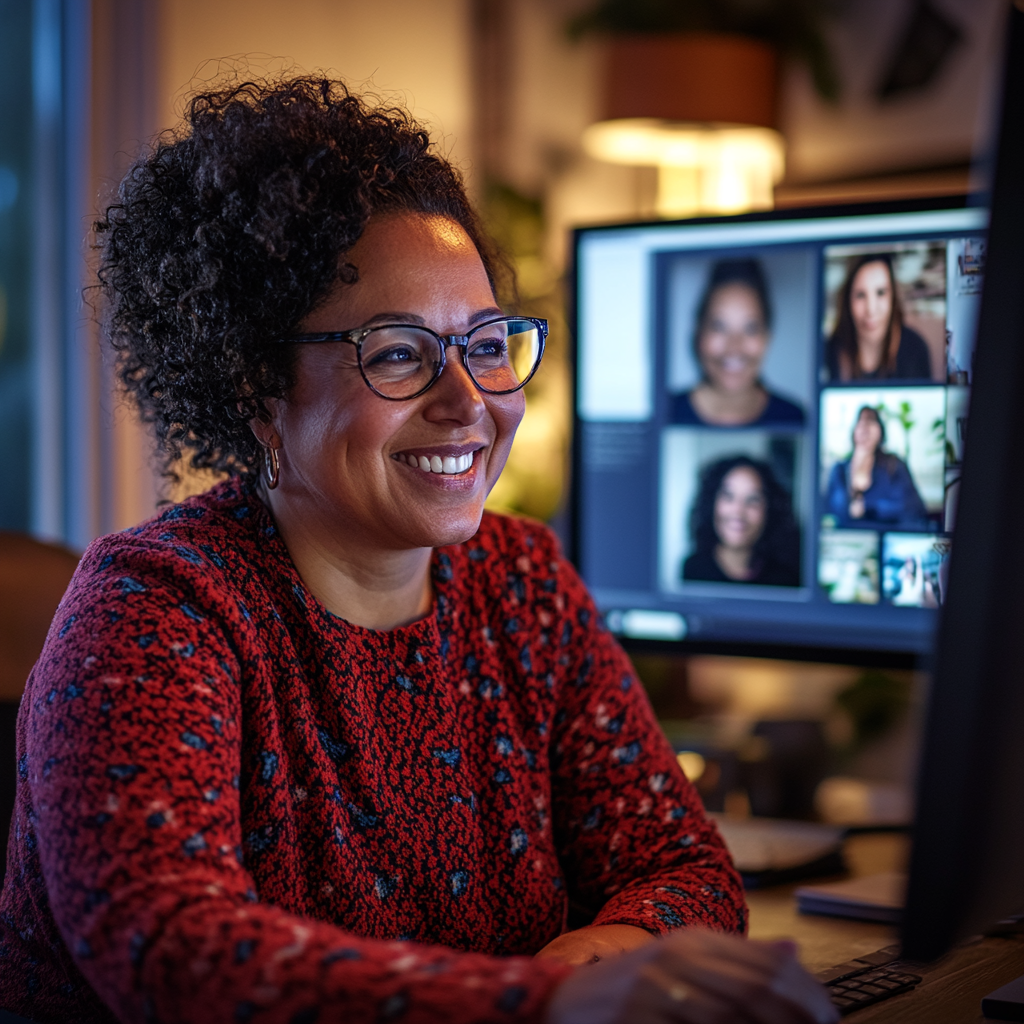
795	28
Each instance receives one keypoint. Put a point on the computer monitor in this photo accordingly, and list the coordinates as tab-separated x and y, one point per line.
967	862
770	414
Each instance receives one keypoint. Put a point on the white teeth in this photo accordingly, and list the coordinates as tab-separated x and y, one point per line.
448	464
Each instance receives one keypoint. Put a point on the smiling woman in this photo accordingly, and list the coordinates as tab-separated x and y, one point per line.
329	741
730	342
742	527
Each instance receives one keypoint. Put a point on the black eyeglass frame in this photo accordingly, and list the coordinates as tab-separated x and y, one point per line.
461	341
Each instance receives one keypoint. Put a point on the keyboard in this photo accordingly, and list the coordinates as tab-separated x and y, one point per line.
868	979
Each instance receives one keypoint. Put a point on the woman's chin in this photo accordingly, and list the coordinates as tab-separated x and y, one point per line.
738	544
453	527
734	385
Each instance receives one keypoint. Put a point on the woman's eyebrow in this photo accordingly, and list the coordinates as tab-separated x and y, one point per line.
413	318
484	314
394	318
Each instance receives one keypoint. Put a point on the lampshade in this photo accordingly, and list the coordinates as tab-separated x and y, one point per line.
710	168
701	108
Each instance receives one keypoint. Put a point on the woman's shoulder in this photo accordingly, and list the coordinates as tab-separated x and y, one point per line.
203	538
838	472
781	410
681	410
893	467
701	565
913	361
913	339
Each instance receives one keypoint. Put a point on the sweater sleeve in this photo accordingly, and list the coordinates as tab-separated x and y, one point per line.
132	758
634	841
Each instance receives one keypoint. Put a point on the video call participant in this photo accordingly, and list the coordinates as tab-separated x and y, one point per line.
742	527
916	588
873	485
871	341
733	331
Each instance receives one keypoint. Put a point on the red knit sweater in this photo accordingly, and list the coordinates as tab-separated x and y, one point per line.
233	805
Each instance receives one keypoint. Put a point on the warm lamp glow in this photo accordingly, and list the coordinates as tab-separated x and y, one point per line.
701	168
692	763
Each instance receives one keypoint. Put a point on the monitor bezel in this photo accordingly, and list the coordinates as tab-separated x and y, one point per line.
897	659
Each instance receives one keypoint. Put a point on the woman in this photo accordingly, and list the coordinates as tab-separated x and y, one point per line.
327	742
871	341
873	486
742	527
731	340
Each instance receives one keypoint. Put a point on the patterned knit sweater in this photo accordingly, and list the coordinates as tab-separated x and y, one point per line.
234	805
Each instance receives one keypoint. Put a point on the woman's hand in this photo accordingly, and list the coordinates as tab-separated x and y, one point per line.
594	943
695	976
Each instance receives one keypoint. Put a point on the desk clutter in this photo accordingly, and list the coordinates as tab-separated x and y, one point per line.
870	898
773	851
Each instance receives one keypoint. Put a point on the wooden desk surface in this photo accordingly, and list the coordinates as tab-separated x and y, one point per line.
953	987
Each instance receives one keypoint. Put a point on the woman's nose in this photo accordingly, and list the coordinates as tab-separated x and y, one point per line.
454	395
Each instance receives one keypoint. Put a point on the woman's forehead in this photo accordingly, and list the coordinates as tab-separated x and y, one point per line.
874	272
740	476
421	265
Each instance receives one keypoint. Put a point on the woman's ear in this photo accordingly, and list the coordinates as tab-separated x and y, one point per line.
264	424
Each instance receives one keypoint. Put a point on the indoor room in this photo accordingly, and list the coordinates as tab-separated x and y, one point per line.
488	531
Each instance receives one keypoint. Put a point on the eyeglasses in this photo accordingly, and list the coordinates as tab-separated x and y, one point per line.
400	361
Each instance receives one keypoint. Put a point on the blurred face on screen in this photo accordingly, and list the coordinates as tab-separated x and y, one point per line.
740	509
733	339
871	302
867	433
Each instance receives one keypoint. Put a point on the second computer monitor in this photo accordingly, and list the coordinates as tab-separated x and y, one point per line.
770	418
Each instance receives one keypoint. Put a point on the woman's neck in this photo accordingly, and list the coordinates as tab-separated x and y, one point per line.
734	562
369	587
728	408
862	467
869	352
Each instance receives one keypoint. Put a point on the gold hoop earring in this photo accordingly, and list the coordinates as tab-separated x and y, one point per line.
272	464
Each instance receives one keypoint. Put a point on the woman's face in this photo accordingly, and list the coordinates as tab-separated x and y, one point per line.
733	338
740	508
871	302
867	433
345	450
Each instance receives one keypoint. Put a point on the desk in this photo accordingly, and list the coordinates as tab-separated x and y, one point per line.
952	989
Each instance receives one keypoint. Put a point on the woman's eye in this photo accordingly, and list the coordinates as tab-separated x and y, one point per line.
488	348
394	354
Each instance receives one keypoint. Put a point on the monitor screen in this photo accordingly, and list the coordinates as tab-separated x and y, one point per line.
770	415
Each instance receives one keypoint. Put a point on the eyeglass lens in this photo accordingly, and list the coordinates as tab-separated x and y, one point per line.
399	362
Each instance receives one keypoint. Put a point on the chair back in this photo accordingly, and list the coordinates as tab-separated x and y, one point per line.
33	578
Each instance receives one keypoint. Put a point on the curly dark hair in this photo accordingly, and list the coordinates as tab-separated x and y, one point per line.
232	229
779	542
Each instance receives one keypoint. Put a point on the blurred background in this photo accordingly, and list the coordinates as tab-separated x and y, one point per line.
560	113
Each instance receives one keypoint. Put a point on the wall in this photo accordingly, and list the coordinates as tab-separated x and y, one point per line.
417	51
